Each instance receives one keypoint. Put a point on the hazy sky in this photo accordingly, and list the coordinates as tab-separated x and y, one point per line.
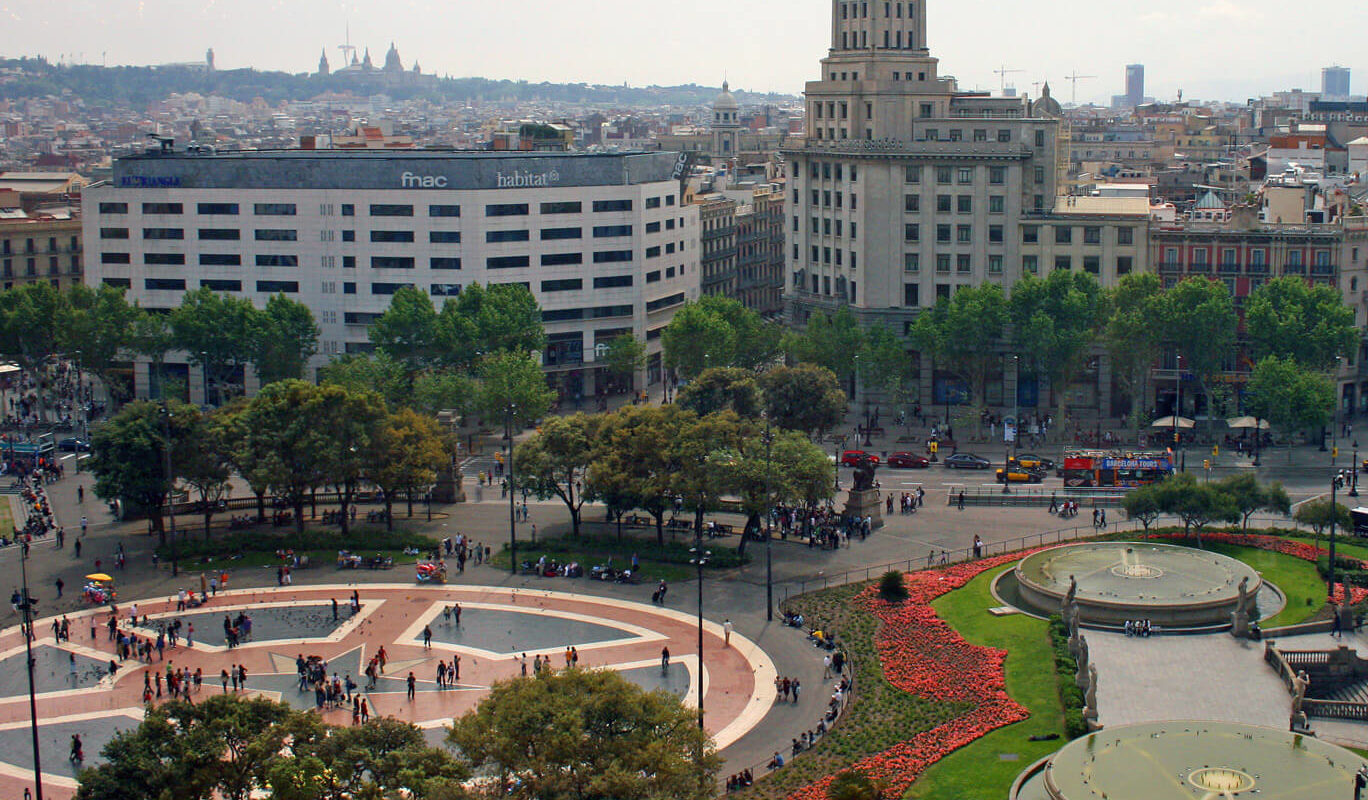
1211	49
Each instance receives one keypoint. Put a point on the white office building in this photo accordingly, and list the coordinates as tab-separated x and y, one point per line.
602	240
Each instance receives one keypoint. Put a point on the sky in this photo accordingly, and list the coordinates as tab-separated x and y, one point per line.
1209	49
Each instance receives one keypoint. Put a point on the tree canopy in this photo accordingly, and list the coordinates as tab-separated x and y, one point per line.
963	334
716	331
1054	323
1292	319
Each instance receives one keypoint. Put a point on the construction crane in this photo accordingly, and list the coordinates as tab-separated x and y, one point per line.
1002	74
1074	79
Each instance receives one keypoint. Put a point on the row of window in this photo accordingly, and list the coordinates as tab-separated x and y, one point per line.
54	266
1257	258
1063	234
964	234
959	204
997	175
385	209
7	245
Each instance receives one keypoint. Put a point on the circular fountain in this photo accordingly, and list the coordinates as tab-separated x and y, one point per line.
1190	760
1112	582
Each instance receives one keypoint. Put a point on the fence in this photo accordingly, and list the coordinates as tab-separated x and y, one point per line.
989	496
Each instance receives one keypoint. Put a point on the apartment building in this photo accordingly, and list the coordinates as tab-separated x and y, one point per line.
39	248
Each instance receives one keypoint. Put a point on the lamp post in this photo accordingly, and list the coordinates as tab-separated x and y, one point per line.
204	375
166	416
700	557
1258	435
1016	429
512	518
1334	509
1334	417
27	608
768	437
1353	480
1177	410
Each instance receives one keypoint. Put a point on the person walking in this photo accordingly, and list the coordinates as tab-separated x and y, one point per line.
60	584
961	500
427	637
412	684
726	632
664	658
826	666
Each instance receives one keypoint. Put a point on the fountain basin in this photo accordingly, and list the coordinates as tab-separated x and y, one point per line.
1172	586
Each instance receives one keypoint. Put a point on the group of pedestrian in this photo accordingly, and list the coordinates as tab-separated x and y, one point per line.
908	502
788	688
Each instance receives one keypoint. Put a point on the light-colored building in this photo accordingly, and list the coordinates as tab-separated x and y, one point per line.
39	248
601	240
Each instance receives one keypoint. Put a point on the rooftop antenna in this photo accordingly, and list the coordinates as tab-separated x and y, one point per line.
348	49
1074	79
1002	74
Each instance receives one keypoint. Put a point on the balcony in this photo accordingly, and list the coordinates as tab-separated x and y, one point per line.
1229	267
1170	266
1322	269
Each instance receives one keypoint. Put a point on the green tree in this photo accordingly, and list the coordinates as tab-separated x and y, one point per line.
284	435
377	372
576	733
1135	336
701	460
1317	515
964	334
1144	504
1199	316
792	470
32	323
351	419
512	383
1196	504
630	463
1289	396
1054	324
241	451
405	453
128	455
836	342
555	462
1250	496
1292	319
485	320
716	331
885	366
99	334
219	333
626	356
804	398
442	390
207	465
408	330
719	388
288	338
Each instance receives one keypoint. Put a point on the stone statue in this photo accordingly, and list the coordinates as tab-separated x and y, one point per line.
864	475
1072	597
1082	678
1299	686
1073	635
1243	603
1090	694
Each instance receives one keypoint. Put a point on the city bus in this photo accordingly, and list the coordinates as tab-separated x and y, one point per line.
1103	468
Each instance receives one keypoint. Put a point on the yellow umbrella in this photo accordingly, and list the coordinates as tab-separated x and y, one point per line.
99	576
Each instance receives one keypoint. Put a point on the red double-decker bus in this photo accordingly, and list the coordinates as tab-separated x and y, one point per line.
1104	468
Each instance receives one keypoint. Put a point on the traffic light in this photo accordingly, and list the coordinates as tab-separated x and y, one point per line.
1215	450
1175	437
1206	463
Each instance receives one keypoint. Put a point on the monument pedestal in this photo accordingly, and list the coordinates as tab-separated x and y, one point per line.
865	503
448	488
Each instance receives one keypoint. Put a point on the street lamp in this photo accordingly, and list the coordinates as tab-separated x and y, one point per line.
512	518
700	557
27	608
1353	481
1334	416
166	416
768	438
1334	509
1016	428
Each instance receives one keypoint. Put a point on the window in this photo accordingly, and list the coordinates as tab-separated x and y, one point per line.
943	233
506	210
392	262
278	287
280	235
163	233
500	237
164	284
561	259
1092	264
1092	235
997	204
118	283
943	203
654	227
1039	174
349	287
995	234
348	236
964	263
980	135
656	305
217	209
220	260
964	234
912	174
277	261
389	288
113	208
603	206
613	282
911	262
444	289
1063	234
219	234
994	265
390	210
612	256
942	262
1004	135
602	312
1030	264
444	237
348	262
507	262
653	252
944	174
1123	263
552	234
562	208
653	276
965	175
164	259
348	210
1040	138
162	208
956	135
274	209
113	233
609	231
1063	262
653	202
561	315
562	285
444	262
911	233
997	175
1125	236
444	211
964	204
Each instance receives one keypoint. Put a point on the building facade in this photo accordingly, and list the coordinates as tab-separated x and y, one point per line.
1135	85
34	249
602	240
717	244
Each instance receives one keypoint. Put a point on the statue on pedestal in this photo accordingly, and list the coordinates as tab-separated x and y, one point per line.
864	475
1239	618
1082	678
1090	695
1073	635
1299	686
1068	607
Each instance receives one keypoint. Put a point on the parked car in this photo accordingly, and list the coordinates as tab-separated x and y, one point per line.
908	461
852	458
1032	461
73	445
967	461
1019	474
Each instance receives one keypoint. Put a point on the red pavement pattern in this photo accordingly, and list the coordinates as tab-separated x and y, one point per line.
737	678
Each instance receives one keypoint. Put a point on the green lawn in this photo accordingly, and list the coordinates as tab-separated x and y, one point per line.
6	520
1297	579
977	771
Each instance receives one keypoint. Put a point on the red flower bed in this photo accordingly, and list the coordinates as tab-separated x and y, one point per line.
1277	544
924	656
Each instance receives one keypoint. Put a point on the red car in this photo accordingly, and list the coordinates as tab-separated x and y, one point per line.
908	461
852	458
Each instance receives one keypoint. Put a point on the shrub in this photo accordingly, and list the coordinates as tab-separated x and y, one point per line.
852	785
891	586
1066	669
361	539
